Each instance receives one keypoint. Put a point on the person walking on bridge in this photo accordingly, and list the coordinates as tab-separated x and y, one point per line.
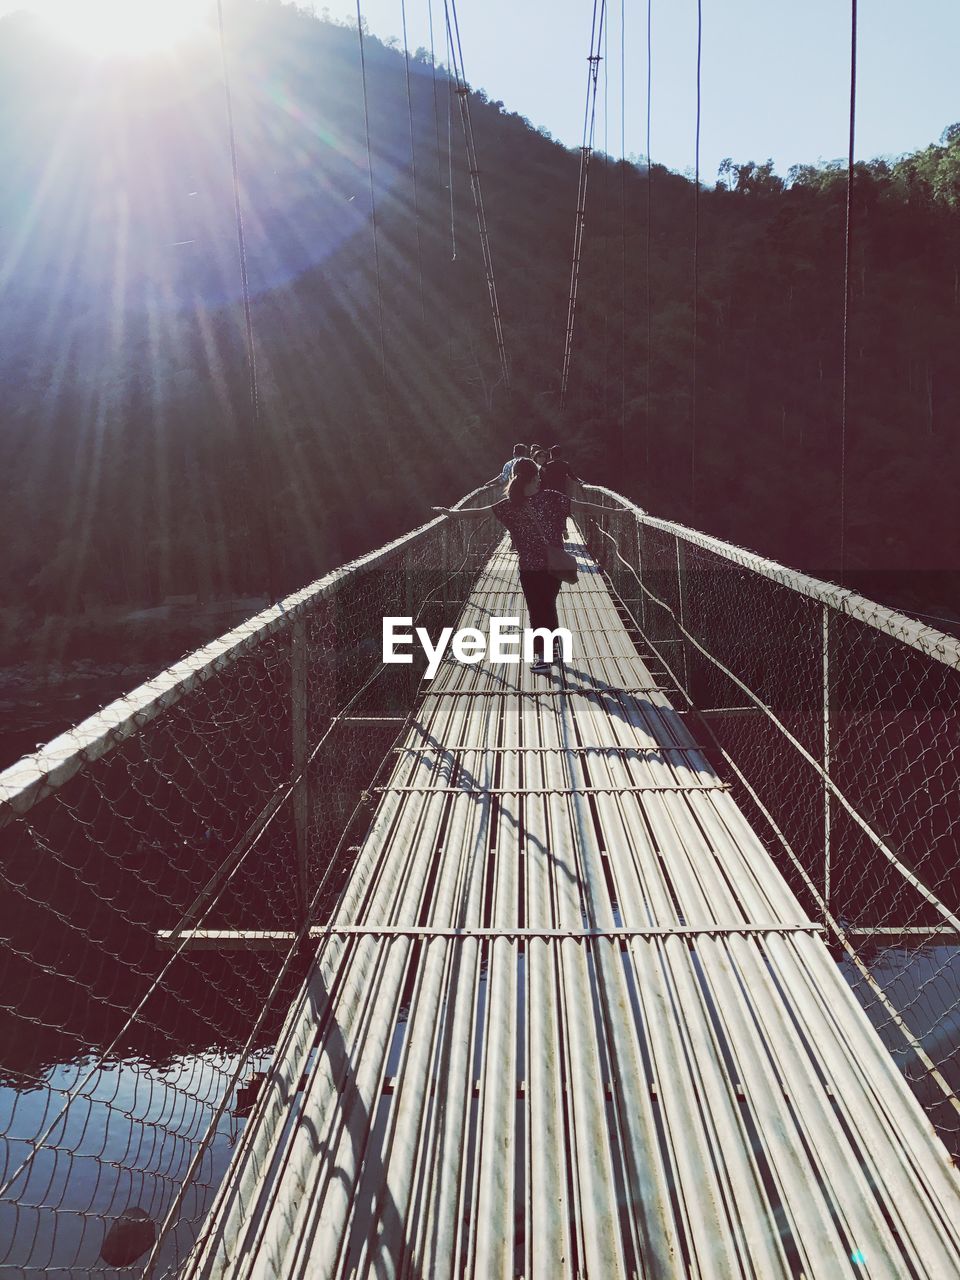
535	518
558	474
519	451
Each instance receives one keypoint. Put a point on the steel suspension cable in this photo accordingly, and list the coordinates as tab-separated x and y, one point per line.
605	239
649	184
413	159
238	216
847	247
463	94
623	237
373	200
436	104
253	387
586	147
696	274
451	85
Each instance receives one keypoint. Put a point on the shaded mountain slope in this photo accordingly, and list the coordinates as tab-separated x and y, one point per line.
131	464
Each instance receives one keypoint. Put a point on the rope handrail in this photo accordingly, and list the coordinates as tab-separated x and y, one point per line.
35	776
927	640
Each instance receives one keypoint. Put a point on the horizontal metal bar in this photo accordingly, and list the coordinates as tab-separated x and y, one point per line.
538	693
374	721
460	749
720	713
552	791
257	939
226	939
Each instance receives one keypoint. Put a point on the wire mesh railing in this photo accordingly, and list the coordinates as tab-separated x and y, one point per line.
838	721
161	865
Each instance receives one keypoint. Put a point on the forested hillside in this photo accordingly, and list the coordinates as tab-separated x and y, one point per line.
130	466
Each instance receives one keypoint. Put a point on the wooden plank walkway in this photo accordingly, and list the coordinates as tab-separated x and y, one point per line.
598	1037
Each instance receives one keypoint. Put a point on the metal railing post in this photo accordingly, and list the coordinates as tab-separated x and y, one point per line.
445	568
681	579
827	755
300	797
638	529
406	570
409	611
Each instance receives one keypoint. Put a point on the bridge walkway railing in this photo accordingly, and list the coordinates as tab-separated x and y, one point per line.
838	723
569	1019
215	796
219	811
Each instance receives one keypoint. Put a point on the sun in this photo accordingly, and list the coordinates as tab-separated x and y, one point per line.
108	27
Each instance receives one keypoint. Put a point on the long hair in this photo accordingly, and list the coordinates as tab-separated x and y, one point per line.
523	472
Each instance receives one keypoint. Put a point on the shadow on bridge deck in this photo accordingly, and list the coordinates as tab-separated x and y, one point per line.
570	1020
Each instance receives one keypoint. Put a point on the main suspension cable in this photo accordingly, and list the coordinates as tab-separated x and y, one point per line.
847	247
463	94
586	147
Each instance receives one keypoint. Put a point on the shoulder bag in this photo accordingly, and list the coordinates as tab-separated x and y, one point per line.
561	564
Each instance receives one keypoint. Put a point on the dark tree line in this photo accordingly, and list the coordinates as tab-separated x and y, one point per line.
132	465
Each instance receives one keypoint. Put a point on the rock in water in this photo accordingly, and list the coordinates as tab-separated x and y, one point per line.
131	1235
248	1093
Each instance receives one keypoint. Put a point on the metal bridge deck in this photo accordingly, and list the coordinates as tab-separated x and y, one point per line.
579	1025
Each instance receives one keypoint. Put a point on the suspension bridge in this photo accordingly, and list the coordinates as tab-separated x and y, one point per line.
316	966
499	974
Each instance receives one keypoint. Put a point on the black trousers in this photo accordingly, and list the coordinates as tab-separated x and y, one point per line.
540	590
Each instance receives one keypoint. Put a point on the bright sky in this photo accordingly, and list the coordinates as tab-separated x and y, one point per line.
775	73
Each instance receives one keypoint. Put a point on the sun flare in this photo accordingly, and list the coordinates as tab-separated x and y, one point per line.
116	27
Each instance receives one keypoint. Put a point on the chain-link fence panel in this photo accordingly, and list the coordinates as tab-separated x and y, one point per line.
837	722
160	868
